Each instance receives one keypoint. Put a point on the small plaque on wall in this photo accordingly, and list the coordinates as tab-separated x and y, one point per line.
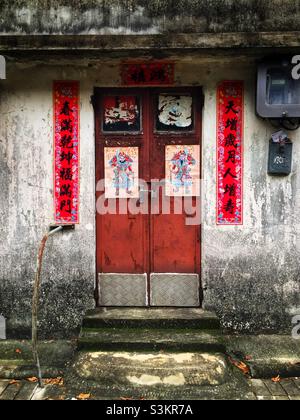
280	158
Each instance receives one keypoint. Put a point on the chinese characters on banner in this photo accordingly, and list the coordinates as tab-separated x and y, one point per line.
66	151
147	74
230	108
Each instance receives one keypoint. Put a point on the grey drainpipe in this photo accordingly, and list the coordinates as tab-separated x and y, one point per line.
36	293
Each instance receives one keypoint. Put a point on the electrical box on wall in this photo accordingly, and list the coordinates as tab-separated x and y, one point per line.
278	93
280	154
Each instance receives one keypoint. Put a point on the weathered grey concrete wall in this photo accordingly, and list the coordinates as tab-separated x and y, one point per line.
26	207
148	17
250	273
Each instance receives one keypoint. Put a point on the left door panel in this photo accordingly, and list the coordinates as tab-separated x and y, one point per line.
122	238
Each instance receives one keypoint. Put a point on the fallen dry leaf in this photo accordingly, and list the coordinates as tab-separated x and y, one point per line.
33	379
241	366
277	379
14	382
83	397
54	381
126	398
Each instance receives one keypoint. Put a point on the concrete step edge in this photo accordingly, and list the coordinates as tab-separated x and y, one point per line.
152	318
206	324
15	370
150	340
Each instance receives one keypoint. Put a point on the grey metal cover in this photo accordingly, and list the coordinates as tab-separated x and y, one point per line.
166	290
125	290
178	290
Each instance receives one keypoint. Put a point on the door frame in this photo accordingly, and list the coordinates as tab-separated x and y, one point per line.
99	92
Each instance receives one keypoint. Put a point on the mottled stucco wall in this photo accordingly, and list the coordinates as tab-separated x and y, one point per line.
147	17
250	273
26	206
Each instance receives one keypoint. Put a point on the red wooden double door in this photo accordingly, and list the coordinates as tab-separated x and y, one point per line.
147	163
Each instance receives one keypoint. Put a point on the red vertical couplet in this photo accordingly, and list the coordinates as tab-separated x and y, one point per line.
66	151
230	127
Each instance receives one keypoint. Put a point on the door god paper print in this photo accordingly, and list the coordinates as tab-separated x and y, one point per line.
183	171
121	172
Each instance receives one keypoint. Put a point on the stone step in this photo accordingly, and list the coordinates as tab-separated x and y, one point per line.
131	369
151	340
23	369
151	318
16	358
58	352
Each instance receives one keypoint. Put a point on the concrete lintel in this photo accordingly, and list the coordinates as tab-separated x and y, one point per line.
208	41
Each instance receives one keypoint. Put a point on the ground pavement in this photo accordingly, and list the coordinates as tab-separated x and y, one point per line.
286	389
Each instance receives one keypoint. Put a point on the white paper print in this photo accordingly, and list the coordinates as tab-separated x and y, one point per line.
121	113
175	111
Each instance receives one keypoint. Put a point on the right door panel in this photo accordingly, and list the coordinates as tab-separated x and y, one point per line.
175	158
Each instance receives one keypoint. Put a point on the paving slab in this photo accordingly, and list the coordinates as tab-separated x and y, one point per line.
259	388
275	388
26	391
235	388
10	392
297	382
290	388
3	385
